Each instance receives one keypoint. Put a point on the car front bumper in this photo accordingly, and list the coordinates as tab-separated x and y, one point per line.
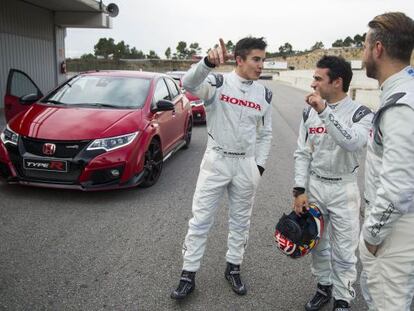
82	169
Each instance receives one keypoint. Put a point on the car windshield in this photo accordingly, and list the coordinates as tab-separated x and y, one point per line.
102	91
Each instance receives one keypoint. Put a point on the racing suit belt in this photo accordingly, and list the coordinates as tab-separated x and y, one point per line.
231	153
334	179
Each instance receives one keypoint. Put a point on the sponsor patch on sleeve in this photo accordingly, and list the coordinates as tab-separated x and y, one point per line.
361	112
268	95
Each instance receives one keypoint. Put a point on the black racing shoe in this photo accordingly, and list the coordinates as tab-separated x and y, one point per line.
322	296
341	305
232	274
186	285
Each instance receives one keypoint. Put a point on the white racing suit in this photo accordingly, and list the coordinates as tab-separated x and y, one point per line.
326	164
387	279
239	129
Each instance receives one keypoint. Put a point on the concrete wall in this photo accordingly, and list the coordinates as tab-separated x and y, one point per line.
362	89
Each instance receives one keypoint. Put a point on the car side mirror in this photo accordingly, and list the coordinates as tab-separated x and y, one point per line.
29	98
163	105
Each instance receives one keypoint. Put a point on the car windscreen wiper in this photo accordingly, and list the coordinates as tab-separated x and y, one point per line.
97	105
107	105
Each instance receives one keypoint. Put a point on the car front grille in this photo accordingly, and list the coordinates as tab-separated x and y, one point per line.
33	149
64	149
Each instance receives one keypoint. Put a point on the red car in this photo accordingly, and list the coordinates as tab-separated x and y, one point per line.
197	108
197	105
98	130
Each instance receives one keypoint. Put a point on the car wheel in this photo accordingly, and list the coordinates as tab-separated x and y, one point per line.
188	133
152	164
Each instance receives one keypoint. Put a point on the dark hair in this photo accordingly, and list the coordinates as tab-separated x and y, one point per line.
245	45
338	68
395	31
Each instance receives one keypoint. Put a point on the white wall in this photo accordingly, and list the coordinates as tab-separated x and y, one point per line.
366	89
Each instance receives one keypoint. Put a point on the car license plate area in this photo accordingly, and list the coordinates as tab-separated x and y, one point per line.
45	165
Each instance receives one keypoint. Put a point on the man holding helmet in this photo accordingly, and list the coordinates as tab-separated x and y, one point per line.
333	131
296	235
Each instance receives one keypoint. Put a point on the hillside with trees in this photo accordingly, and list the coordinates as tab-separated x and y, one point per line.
107	51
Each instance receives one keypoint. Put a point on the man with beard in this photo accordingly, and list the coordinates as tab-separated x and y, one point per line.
333	132
387	240
239	130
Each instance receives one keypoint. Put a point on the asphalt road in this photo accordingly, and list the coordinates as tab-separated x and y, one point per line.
121	250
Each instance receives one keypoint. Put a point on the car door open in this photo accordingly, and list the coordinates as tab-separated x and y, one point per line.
21	92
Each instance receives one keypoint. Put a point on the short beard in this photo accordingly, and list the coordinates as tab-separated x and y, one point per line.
371	70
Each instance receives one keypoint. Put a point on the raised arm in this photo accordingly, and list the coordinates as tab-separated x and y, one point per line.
198	80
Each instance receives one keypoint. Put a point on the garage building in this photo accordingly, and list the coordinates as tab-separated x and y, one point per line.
32	36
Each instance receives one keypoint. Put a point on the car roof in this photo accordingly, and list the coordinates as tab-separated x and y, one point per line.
124	73
176	73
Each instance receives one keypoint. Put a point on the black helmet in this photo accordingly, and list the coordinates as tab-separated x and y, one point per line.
297	235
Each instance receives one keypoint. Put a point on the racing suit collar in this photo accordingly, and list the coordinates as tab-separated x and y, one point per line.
396	79
337	104
239	79
240	83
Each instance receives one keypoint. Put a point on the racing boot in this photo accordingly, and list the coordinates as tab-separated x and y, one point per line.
232	274
186	285
341	305
322	296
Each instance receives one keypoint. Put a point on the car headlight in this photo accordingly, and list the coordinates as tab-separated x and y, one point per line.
9	136
112	143
197	103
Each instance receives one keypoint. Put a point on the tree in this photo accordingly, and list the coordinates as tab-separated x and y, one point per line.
272	54
88	57
359	40
348	41
122	50
286	49
194	49
107	47
168	53
338	43
152	55
182	50
104	47
135	54
317	45
229	47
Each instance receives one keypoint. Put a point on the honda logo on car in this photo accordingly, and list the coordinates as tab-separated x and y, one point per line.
47	165
49	149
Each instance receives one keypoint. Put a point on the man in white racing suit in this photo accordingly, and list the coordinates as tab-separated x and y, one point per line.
239	129
333	132
387	239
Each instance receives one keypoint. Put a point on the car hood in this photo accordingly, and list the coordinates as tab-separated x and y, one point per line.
80	123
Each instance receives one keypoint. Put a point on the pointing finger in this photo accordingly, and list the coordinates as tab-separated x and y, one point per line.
223	46
216	57
221	55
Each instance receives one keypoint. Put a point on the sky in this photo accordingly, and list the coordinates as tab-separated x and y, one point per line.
159	24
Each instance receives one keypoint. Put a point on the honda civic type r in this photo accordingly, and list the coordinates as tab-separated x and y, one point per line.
98	130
